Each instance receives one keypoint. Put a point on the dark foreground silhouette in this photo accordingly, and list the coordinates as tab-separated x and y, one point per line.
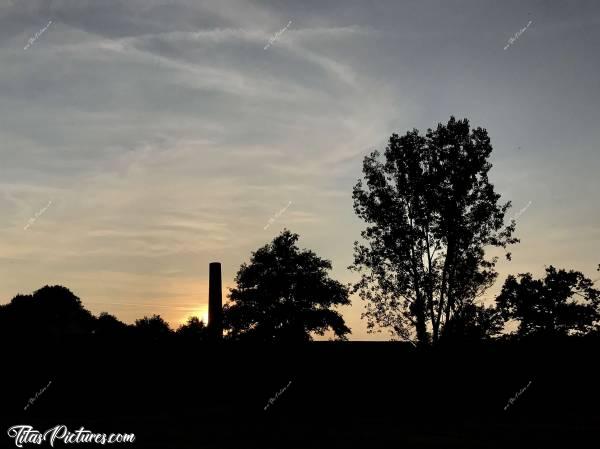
320	394
63	366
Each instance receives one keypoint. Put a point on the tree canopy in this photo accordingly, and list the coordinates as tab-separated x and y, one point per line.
152	328
285	294
193	329
562	303
473	323
108	325
49	311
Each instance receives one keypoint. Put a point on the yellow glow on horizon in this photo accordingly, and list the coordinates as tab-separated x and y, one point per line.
201	313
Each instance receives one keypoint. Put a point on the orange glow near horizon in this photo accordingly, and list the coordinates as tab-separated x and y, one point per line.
175	303
201	313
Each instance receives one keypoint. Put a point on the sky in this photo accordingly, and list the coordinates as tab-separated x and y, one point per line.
141	140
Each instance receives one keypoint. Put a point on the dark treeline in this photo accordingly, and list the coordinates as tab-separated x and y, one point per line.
561	304
55	314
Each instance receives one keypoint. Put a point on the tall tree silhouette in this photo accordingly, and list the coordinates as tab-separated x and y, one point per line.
562	303
285	294
431	211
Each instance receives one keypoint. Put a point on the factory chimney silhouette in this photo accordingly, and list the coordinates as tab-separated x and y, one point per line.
215	302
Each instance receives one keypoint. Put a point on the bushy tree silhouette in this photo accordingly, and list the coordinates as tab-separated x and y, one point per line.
51	311
473	322
109	326
63	310
431	212
194	330
562	303
285	294
154	328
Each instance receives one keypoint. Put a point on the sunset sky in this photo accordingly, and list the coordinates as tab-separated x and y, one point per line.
159	136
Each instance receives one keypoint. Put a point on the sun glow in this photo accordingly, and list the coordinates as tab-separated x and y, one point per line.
201	313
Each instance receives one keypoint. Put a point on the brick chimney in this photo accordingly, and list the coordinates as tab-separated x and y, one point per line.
215	301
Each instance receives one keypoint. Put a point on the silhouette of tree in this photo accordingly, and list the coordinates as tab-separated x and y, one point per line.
16	319
50	311
194	329
109	326
562	303
473	322
285	294
154	328
62	310
431	212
